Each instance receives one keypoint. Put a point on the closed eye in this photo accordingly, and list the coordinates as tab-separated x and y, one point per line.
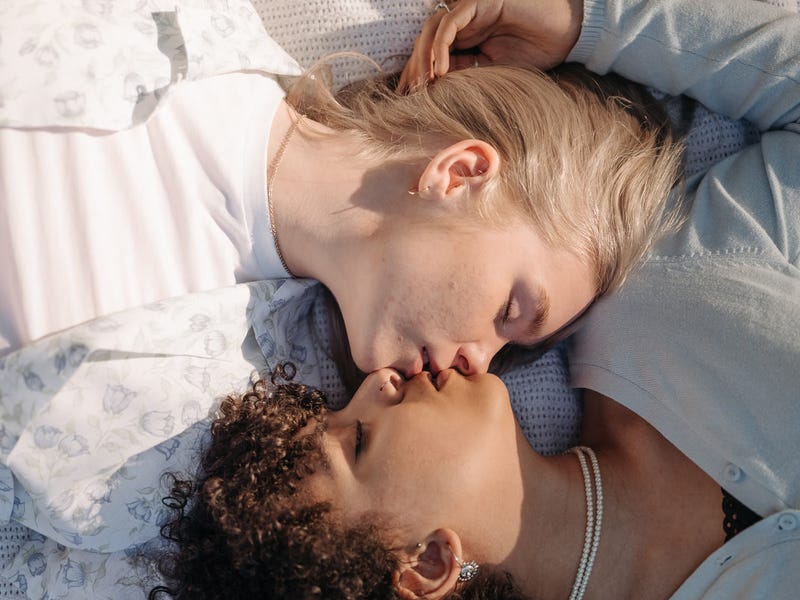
511	310
523	317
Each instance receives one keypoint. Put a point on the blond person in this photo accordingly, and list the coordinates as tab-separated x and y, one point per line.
493	207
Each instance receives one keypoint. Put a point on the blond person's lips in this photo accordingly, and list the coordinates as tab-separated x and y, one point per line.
430	363
415	366
422	362
439	380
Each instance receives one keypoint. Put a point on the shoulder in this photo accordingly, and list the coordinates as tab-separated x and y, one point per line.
746	205
762	559
706	350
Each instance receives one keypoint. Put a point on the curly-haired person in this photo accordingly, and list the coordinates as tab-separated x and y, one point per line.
427	488
256	530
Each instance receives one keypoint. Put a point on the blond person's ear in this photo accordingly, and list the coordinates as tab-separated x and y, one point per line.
431	571
458	169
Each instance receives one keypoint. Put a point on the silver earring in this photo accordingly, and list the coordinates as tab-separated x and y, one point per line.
468	569
414	191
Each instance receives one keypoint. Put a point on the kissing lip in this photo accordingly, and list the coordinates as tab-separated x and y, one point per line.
437	381
423	362
416	366
410	369
413	368
429	363
443	377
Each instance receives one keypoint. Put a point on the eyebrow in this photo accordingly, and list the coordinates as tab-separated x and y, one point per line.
541	314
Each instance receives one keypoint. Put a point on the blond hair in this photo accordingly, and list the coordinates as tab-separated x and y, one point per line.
588	166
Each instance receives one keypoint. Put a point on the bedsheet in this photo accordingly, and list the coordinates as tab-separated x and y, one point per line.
104	65
93	416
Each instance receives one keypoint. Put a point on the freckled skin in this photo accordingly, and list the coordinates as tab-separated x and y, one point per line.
446	290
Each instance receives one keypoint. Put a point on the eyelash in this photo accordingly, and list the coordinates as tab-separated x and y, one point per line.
359	438
507	311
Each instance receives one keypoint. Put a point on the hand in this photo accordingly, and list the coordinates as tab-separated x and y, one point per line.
529	33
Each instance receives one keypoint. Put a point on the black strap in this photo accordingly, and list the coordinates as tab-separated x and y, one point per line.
737	516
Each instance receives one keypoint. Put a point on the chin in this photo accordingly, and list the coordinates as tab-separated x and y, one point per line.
365	360
366	366
370	357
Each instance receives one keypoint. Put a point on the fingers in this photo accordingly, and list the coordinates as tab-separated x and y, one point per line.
537	33
430	57
450	25
419	68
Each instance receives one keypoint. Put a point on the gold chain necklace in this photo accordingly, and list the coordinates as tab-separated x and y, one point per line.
273	169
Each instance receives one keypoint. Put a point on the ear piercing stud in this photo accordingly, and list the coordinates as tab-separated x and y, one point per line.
468	569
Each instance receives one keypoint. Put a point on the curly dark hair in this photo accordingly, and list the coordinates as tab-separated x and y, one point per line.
247	529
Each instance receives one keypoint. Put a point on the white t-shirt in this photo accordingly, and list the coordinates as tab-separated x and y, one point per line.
94	223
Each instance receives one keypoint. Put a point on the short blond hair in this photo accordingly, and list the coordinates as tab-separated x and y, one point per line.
588	161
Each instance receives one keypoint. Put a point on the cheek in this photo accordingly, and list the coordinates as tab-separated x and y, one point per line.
465	308
441	302
415	309
418	481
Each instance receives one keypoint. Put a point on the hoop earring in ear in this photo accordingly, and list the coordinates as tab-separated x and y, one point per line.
468	569
415	190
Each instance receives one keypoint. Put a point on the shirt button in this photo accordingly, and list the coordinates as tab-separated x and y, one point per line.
787	522
732	472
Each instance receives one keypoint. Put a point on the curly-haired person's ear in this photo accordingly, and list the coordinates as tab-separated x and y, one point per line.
431	570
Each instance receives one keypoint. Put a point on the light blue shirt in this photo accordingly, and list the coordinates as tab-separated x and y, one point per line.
703	340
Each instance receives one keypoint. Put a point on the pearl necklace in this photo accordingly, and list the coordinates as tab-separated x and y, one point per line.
594	519
271	172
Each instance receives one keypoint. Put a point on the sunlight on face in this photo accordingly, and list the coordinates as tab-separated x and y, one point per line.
437	298
416	448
